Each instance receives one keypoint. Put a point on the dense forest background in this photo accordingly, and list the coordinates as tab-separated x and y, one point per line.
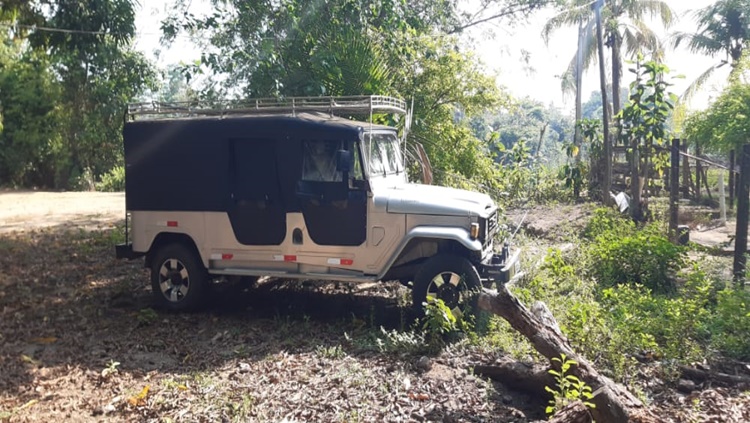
68	69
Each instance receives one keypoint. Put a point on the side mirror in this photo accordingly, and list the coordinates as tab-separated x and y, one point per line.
344	161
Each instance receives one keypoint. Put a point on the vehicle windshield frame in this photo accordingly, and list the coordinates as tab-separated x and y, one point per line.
387	158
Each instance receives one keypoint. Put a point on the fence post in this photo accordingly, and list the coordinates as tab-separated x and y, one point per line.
743	205
698	173
731	179
686	181
674	188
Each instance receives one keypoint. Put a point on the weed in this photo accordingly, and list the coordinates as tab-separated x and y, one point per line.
407	342
111	369
147	316
568	387
332	352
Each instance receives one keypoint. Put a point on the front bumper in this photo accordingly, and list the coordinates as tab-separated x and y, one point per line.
501	268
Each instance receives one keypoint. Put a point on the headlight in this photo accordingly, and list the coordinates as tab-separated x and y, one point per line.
474	231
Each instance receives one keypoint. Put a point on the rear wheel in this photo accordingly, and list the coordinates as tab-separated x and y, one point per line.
178	279
447	277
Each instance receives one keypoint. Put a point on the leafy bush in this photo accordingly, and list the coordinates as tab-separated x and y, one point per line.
731	323
113	181
608	221
644	257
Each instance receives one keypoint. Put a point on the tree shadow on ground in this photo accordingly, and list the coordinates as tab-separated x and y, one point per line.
65	300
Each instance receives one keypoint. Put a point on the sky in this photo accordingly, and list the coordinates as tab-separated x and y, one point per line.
515	54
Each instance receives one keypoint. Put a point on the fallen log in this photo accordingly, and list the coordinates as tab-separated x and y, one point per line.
613	403
698	375
574	412
518	376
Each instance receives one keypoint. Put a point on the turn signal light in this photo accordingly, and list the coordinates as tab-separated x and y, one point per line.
474	231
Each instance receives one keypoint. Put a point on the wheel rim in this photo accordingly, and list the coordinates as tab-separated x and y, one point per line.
447	286
174	280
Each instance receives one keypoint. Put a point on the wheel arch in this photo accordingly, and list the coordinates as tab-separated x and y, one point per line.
166	238
423	242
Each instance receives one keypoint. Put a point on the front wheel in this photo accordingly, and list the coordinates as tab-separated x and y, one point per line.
178	279
447	277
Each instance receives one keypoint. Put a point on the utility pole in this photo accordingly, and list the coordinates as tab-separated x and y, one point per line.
607	183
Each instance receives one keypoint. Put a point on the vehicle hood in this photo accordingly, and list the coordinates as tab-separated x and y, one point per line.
436	200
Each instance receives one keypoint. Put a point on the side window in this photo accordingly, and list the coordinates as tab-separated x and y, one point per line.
319	161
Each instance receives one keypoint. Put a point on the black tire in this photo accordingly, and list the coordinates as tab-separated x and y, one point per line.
178	279
449	277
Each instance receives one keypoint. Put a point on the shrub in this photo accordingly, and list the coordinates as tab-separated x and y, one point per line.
112	181
731	324
644	257
608	221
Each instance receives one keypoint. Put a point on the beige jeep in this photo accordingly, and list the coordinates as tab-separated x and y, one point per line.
289	190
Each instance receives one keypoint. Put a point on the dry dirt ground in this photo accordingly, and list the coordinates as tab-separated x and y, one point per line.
79	341
25	210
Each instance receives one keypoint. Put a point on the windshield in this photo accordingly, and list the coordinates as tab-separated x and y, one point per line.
384	153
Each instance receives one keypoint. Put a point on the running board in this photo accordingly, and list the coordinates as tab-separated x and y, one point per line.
286	274
245	272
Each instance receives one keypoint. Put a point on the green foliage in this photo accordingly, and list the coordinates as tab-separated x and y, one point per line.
573	173
645	257
608	221
569	388
730	325
643	119
287	48
113	181
30	142
726	123
592	142
64	94
401	342
439	319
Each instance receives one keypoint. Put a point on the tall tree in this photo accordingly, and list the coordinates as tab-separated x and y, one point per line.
723	30
402	48
88	43
576	12
626	29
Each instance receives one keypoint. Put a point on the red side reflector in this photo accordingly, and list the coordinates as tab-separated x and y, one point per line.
347	262
290	258
172	223
227	256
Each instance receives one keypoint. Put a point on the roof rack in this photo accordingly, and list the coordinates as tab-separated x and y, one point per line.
289	105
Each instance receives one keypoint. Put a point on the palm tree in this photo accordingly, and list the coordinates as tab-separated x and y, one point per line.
576	13
626	28
723	28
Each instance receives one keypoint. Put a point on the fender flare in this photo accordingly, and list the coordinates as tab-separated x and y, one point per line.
459	235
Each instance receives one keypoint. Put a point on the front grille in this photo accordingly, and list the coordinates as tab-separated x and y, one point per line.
492	226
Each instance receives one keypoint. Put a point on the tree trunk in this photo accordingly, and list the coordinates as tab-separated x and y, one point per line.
579	91
607	180
518	376
574	412
616	73
613	402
